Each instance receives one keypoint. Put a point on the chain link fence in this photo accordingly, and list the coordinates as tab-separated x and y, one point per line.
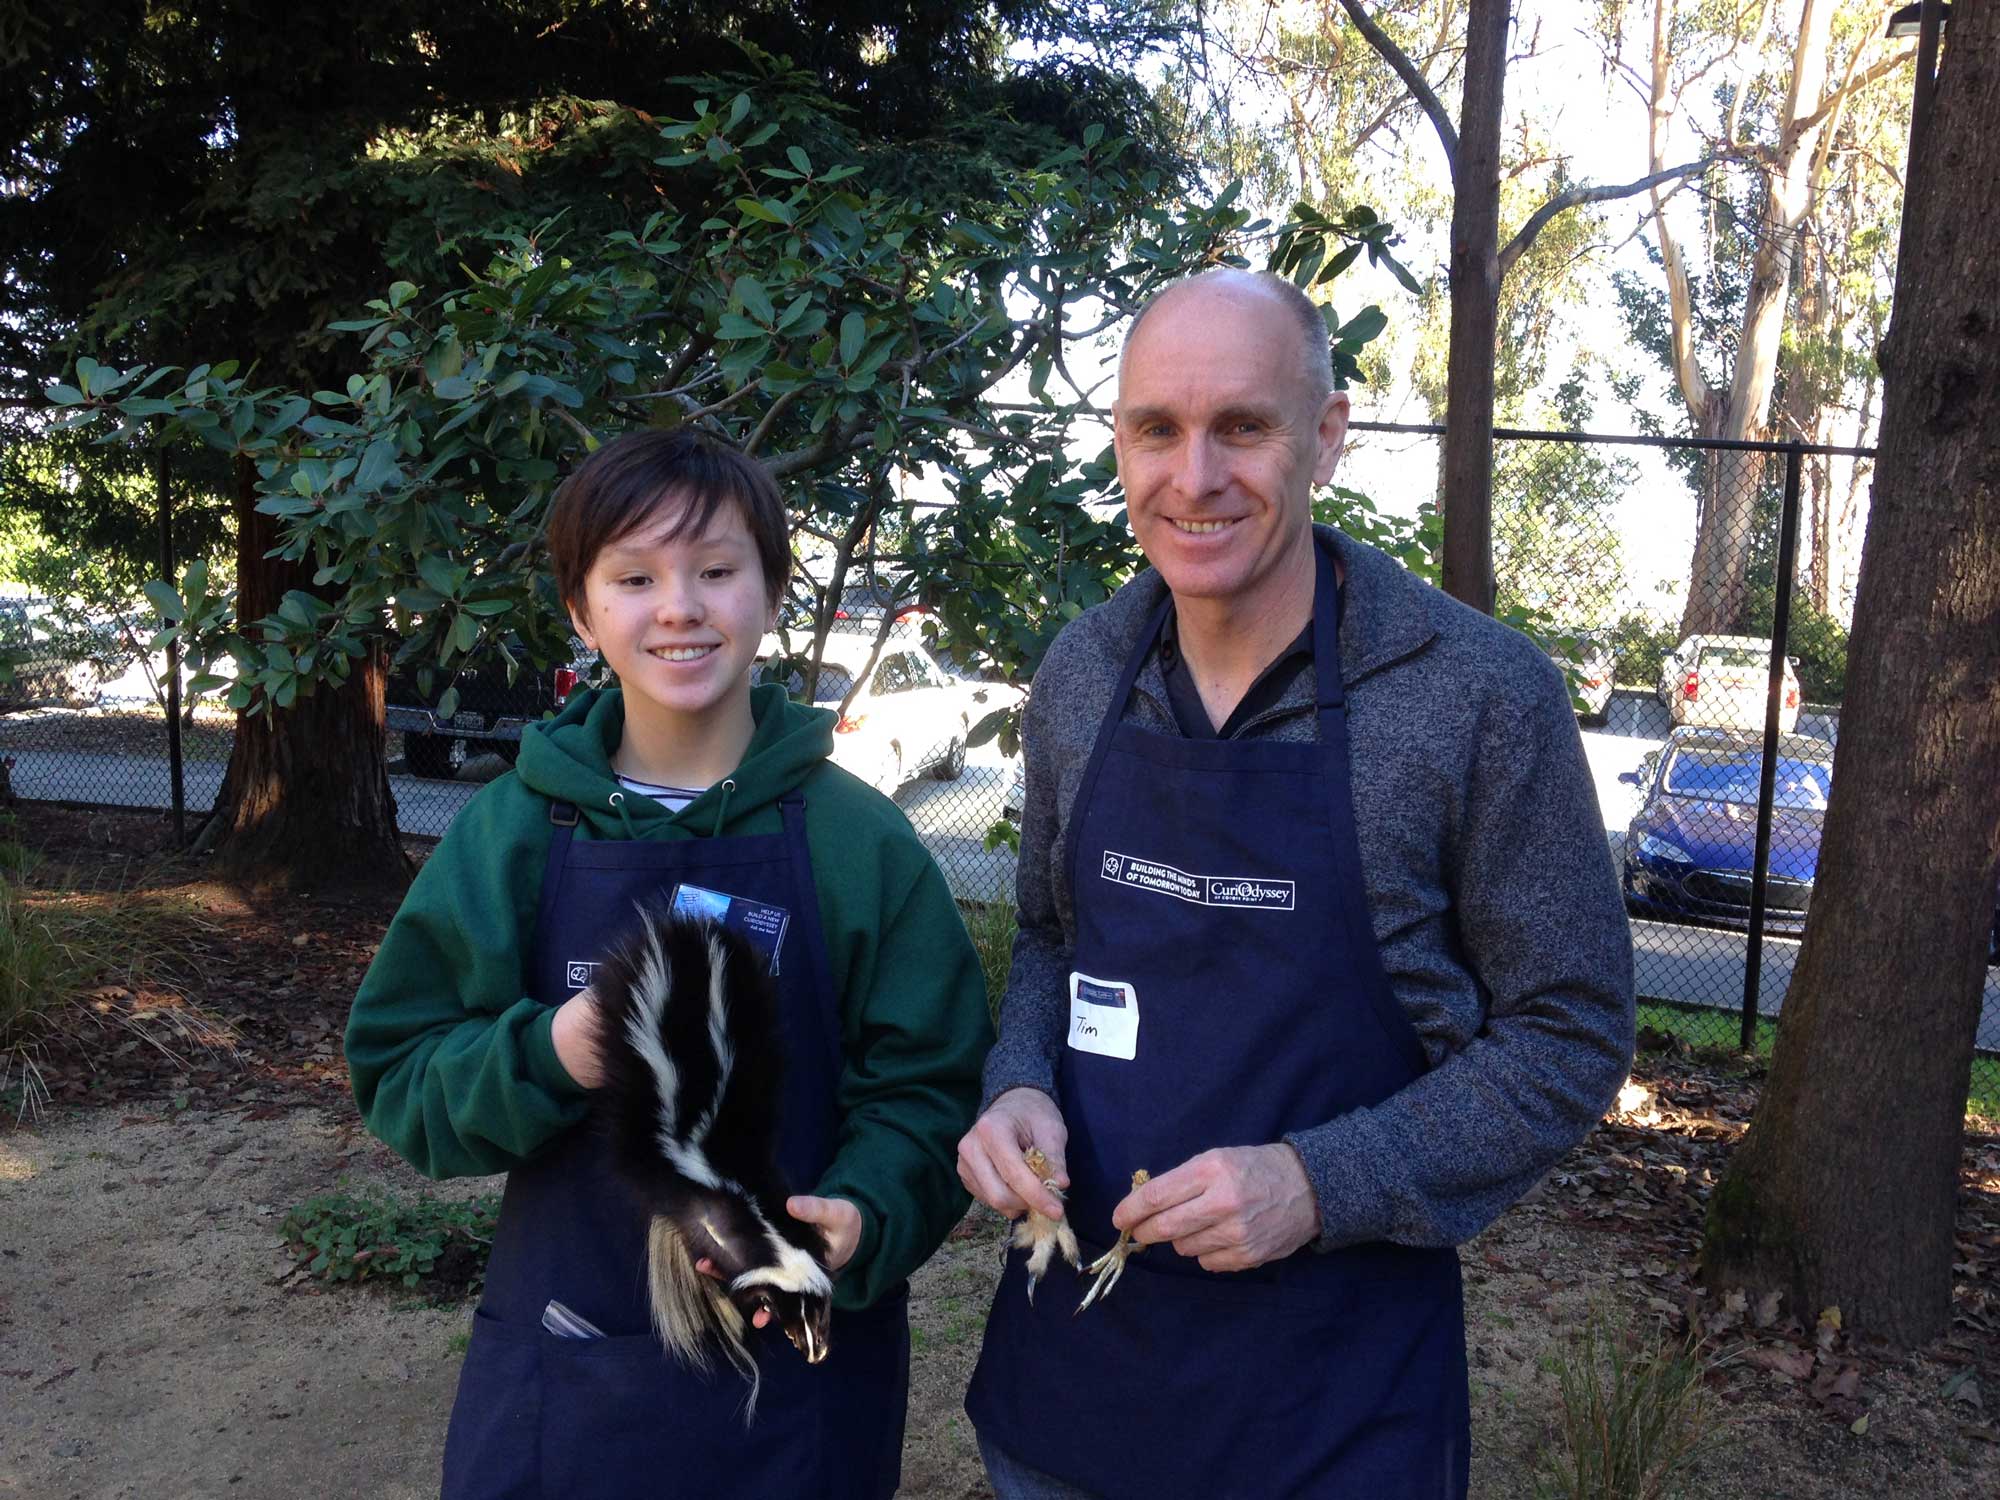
1697	594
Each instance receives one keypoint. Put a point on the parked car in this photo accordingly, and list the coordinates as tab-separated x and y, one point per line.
490	714
1588	663
1690	852
911	716
50	658
1724	681
1014	801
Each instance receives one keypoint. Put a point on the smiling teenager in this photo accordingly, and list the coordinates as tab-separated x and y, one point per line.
1321	964
473	1042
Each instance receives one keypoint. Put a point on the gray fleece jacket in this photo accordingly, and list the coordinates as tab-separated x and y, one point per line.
1489	884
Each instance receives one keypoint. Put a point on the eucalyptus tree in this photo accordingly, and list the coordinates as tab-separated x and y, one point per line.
1783	75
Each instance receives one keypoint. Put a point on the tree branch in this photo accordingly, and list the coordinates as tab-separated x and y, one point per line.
1413	80
770	419
1586	193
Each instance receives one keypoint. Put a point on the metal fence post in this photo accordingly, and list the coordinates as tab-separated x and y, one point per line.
1781	621
174	769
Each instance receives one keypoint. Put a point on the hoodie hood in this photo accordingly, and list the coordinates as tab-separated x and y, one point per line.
568	759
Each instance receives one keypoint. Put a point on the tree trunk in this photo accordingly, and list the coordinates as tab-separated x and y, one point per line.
1843	1191
306	798
1475	312
1718	588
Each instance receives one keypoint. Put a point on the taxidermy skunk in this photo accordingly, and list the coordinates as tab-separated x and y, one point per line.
693	1067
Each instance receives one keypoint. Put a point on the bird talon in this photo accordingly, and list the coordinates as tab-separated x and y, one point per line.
1038	1234
1109	1266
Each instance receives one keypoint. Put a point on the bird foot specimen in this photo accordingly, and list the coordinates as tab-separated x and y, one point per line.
1109	1266
1040	1235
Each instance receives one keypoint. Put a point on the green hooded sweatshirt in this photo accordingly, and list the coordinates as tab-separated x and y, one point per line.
452	1060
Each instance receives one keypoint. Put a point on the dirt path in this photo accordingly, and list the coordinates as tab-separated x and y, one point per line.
155	1342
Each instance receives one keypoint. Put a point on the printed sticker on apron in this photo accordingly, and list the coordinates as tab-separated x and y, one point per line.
1103	1017
762	926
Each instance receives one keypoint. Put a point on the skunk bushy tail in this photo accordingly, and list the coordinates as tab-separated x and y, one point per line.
693	1078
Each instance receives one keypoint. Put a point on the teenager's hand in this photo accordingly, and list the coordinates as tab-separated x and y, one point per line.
575	1033
992	1156
838	1220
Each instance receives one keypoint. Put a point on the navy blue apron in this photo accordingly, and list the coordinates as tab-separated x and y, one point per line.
1227	990
542	1415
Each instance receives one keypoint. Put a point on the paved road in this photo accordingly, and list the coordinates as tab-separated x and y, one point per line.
1693	965
951	817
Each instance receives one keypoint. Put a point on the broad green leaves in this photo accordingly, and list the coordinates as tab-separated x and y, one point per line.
862	345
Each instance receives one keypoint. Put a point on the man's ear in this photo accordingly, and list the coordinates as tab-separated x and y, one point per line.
579	621
1332	436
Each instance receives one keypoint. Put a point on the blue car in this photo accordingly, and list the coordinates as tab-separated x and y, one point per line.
1691	848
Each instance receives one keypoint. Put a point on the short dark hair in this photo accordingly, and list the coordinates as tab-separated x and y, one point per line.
621	486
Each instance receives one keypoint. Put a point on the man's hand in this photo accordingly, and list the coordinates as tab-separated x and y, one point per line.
991	1159
575	1032
1231	1209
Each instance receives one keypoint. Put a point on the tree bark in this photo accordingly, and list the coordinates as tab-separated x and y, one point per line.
1843	1191
1475	311
306	798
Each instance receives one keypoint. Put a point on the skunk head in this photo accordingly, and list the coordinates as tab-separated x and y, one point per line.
799	1298
693	1082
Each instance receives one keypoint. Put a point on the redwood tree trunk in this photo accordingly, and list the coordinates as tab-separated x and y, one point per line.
306	798
1475	311
1843	1191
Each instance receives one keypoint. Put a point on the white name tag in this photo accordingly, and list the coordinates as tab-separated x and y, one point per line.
1103	1017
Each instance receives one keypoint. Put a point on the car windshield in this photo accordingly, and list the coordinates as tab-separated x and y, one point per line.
834	685
1715	774
1735	657
834	682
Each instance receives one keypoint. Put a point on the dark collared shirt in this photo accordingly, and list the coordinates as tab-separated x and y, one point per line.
1192	714
1185	698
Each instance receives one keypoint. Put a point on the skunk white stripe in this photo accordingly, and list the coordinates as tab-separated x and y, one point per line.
653	980
792	1270
718	1037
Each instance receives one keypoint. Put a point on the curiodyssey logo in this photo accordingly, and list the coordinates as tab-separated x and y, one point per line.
1249	893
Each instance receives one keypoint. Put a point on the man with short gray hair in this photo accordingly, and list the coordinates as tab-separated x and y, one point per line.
1317	926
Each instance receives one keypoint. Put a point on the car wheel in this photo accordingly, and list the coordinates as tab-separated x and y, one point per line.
432	755
953	765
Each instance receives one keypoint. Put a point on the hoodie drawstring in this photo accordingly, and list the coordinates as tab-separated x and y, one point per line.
722	807
617	800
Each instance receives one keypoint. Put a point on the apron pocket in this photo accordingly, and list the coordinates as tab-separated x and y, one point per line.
490	1448
619	1417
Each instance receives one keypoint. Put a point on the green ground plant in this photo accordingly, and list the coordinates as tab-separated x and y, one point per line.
357	1236
74	961
1634	1414
992	926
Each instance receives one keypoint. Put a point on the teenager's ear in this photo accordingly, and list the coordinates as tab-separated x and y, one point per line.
579	621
